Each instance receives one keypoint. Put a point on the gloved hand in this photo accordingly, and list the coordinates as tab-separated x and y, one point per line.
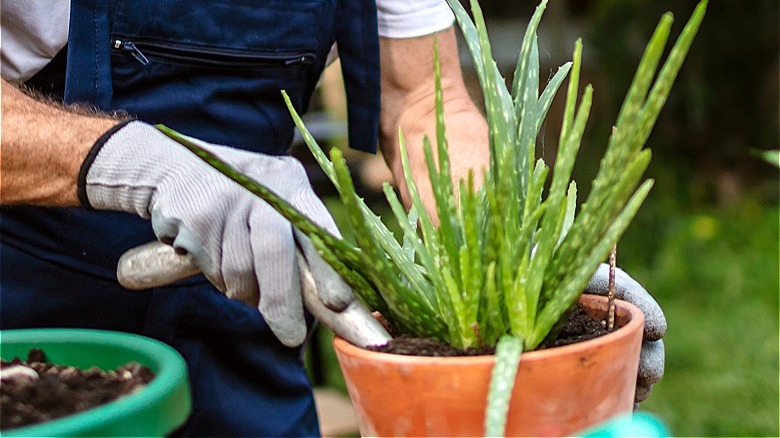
242	245
651	360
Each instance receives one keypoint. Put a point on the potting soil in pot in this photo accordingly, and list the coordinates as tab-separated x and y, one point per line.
580	327
34	391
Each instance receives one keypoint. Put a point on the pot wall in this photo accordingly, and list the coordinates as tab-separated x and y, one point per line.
558	391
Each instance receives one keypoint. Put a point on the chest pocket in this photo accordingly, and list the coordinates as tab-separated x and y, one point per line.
215	69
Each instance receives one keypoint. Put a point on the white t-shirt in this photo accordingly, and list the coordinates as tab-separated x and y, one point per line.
33	32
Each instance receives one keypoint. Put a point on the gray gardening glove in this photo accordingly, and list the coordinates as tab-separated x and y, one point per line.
651	361
241	244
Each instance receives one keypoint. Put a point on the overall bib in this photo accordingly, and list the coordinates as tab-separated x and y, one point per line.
212	69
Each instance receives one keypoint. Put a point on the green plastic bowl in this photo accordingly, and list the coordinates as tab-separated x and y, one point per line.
156	410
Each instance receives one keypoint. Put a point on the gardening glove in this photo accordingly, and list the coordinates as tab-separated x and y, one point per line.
651	360
240	243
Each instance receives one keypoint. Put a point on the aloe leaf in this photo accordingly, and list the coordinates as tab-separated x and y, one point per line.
426	224
586	233
545	100
461	332
434	283
571	207
493	322
411	219
407	306
520	320
567	154
526	105
502	383
666	77
575	279
602	205
532	210
441	180
571	93
360	286
339	246
555	210
471	251
384	236
770	156
643	77
498	102
523	59
449	235
312	144
470	35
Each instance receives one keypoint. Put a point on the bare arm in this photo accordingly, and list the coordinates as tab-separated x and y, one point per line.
43	146
408	103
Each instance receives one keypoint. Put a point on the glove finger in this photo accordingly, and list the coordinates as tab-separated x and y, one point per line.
277	276
174	232
238	265
641	394
651	363
628	289
331	288
165	228
307	202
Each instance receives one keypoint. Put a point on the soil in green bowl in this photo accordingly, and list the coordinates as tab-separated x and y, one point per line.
35	391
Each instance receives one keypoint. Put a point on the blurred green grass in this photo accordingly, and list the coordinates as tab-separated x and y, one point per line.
715	274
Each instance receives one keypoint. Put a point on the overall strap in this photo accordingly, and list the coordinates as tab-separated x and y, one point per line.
88	54
358	45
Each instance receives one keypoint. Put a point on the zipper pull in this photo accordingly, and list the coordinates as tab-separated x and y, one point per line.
300	60
130	48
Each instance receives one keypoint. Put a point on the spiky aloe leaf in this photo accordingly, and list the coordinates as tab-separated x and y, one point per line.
344	251
502	383
771	157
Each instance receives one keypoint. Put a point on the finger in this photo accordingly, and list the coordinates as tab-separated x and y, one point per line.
651	363
277	276
165	228
628	289
238	267
174	232
331	288
641	394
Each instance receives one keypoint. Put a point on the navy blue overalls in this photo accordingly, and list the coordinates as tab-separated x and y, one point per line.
214	70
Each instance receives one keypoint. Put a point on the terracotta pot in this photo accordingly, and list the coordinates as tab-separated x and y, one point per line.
558	391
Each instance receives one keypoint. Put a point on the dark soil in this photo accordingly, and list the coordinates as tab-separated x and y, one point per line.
35	391
579	328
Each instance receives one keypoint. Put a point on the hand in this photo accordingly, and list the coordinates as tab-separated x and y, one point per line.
242	245
467	146
408	98
651	360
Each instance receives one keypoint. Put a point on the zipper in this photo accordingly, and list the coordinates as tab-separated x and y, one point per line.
207	56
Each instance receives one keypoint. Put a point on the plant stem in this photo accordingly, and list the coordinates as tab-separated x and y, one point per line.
611	292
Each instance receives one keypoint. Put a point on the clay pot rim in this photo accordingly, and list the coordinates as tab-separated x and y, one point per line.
622	309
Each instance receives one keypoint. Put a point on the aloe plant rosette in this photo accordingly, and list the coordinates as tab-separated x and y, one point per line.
508	258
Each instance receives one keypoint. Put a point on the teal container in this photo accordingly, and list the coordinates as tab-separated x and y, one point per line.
156	410
638	424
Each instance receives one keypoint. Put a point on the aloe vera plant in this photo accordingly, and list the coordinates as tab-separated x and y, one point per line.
508	258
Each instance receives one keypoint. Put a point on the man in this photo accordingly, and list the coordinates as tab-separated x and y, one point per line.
213	71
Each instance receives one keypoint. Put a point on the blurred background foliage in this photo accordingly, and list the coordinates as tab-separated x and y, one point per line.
705	243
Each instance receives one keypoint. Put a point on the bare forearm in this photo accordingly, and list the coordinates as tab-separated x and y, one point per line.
408	103
43	146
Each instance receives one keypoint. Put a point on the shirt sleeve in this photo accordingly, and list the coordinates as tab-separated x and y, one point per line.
412	18
32	33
